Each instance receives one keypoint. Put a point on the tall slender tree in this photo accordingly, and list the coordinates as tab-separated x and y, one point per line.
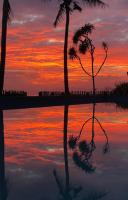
67	7
85	44
5	19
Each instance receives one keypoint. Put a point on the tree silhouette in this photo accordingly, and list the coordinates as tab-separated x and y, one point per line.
83	150
67	7
85	44
66	191
5	19
3	183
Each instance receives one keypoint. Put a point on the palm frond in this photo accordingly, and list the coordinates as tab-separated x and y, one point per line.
82	163
7	9
105	45
84	147
77	7
83	47
72	53
94	3
72	142
60	14
83	31
87	29
77	36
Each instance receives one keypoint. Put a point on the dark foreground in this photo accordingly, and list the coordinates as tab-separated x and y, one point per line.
15	102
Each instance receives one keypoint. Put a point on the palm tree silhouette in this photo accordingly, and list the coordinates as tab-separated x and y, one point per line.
5	19
85	44
3	184
67	7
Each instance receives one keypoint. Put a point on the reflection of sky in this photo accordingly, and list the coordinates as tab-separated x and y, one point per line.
34	147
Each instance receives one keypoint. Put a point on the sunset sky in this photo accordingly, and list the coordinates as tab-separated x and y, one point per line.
35	47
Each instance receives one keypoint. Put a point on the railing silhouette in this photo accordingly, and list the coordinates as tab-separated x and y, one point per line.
74	93
14	93
79	93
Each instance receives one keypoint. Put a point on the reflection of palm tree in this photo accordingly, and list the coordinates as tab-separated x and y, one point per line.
3	189
5	18
67	7
67	192
83	150
106	146
65	146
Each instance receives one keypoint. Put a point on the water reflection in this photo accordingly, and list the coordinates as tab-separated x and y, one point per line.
82	149
66	192
33	151
82	153
3	184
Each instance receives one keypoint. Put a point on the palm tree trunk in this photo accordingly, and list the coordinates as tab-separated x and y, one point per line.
93	122
66	148
93	77
94	89
66	85
93	128
3	44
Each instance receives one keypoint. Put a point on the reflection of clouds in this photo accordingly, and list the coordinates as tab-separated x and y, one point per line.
124	154
34	140
28	174
15	119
